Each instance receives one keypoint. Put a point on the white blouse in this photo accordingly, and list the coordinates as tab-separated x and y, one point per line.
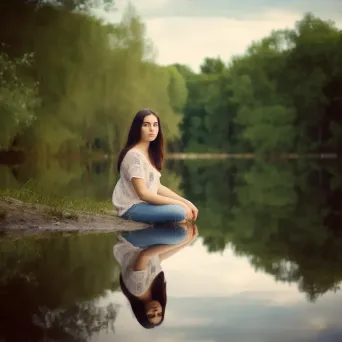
134	164
137	282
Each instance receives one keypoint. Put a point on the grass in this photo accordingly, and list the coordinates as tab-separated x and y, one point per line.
60	207
60	213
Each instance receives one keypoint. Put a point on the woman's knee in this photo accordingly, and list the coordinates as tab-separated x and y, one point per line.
179	214
157	214
179	234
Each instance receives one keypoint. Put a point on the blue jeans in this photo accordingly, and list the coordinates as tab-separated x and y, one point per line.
152	213
156	235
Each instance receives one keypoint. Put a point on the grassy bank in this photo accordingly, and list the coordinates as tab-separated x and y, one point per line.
58	203
26	211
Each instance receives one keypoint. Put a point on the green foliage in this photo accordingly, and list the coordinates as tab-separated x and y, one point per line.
283	95
18	97
212	66
177	89
60	206
260	129
93	77
184	70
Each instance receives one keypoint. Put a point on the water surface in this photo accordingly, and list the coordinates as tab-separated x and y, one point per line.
266	267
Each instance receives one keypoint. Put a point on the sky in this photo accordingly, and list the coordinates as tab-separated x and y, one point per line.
187	31
220	297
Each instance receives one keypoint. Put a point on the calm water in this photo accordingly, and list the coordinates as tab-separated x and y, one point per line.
266	266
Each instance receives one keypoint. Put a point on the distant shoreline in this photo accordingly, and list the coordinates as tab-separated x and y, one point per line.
250	156
17	157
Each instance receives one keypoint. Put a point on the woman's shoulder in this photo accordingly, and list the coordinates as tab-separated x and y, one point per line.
133	155
124	252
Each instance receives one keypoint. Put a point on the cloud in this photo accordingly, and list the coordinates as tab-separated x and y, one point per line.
229	276
238	318
247	9
190	40
187	31
246	319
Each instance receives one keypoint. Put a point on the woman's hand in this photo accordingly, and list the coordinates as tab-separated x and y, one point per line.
192	233
189	213
194	211
191	236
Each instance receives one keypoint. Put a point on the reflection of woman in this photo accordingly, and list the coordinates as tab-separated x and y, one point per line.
142	279
138	194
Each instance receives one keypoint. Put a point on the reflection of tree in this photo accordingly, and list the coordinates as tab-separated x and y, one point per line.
214	243
47	283
77	323
210	185
284	217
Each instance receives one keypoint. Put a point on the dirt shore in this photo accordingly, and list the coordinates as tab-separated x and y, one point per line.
17	217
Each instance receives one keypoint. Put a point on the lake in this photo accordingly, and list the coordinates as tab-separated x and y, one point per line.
266	265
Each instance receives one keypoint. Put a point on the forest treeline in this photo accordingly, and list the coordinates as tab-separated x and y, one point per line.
71	82
284	95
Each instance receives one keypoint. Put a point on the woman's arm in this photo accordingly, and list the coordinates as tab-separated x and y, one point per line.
192	233
166	192
165	255
147	196
147	253
165	251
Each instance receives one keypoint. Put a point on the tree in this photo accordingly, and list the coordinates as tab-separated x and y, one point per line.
18	97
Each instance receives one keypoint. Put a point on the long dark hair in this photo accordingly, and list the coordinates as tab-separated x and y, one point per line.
156	148
158	291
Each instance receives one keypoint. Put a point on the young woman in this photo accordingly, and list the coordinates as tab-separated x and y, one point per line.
142	279
139	194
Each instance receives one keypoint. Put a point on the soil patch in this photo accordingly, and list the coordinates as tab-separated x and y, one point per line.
17	217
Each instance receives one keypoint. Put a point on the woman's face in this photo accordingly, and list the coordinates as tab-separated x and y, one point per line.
149	128
154	311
